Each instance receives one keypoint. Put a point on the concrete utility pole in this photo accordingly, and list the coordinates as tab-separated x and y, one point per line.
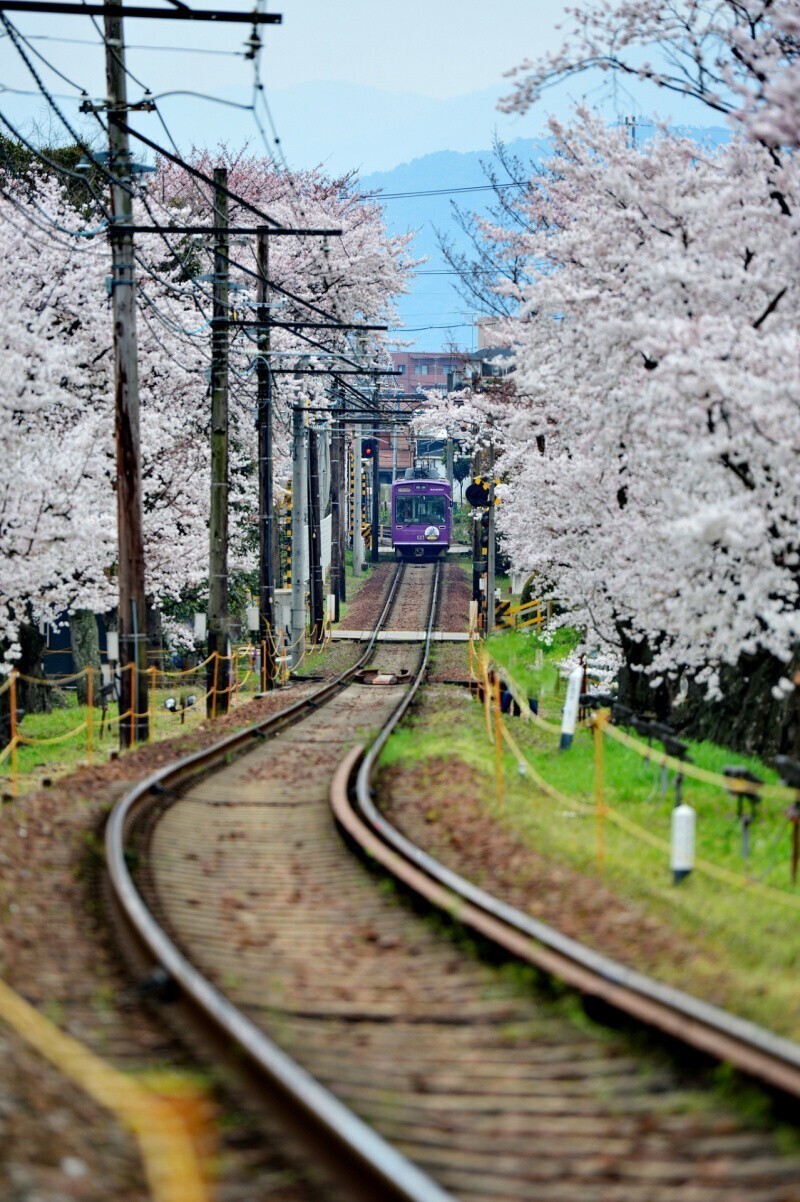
344	496
132	611
375	550
266	581
314	541
358	541
299	508
449	462
218	700
337	473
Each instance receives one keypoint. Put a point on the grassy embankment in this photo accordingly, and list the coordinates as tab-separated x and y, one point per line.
51	760
48	759
743	940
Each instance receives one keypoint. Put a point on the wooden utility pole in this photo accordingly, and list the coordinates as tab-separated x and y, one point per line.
314	541
132	612
219	676
266	582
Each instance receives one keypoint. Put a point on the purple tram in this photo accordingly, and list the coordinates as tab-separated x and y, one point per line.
420	518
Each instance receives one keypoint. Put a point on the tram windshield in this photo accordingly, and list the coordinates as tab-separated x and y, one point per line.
422	511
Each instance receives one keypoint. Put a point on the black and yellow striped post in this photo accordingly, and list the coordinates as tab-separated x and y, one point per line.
366	524
352	497
502	615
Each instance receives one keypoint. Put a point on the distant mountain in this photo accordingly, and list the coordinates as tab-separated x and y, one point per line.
431	186
434	300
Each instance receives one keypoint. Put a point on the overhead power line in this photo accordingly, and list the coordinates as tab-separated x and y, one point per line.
63	8
44	37
451	191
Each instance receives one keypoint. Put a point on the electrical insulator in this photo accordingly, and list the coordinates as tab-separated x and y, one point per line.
682	853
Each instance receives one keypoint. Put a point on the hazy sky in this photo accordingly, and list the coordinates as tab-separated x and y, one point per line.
438	48
359	84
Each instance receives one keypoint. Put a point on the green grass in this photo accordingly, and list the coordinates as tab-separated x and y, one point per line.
532	659
53	760
744	945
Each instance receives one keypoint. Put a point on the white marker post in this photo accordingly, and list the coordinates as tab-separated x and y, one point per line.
683	832
569	716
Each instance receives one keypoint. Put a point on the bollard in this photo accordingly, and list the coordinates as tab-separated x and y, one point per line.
569	715
682	844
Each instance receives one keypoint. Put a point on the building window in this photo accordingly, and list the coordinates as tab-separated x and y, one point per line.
401	368
420	369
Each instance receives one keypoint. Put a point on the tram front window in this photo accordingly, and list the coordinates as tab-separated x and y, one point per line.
420	511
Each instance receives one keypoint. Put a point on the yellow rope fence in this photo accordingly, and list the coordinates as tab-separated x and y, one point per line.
602	729
169	1157
157	678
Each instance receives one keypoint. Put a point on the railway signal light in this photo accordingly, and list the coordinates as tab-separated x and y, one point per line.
369	448
477	493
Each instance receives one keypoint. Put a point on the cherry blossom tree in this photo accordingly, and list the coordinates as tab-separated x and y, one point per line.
651	468
651	453
58	529
56	538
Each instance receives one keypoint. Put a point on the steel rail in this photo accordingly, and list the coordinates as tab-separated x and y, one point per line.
763	1055
353	1152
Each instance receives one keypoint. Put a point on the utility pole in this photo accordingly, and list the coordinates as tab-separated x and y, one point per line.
358	542
490	556
344	498
299	507
132	611
449	462
375	550
314	549
337	473
266	583
219	675
394	442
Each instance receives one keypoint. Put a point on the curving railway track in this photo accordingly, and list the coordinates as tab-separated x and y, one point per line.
391	1053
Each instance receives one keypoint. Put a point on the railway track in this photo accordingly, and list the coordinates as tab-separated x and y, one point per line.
410	1067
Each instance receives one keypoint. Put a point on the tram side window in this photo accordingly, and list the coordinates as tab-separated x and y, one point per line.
403	510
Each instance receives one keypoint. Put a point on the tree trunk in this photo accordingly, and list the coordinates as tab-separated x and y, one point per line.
33	698
85	650
748	717
633	683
